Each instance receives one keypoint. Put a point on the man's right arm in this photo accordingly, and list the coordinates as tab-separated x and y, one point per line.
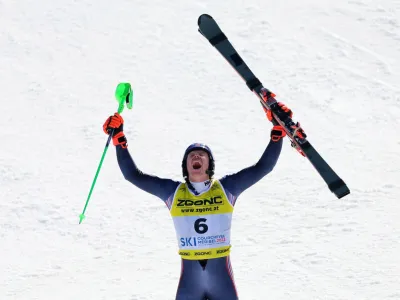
160	187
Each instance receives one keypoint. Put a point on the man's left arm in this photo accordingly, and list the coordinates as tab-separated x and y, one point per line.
238	182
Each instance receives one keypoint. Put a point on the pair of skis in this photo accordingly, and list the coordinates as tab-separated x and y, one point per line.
209	28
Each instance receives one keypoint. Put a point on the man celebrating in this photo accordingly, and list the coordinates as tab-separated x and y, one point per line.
201	208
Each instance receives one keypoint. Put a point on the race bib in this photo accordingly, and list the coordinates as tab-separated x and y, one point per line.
202	223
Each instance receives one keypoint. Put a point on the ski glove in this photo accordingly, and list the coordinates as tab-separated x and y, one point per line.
116	123
277	131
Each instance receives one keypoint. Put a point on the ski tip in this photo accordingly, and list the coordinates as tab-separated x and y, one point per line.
339	188
203	16
343	193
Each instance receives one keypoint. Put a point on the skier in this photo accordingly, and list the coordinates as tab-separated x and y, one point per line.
201	208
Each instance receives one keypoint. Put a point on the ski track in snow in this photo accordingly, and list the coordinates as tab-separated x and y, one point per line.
335	63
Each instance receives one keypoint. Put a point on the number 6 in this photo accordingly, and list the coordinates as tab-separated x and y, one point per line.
200	227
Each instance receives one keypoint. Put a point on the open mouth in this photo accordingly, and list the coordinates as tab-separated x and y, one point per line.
196	165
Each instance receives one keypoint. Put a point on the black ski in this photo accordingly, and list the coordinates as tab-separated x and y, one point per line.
212	32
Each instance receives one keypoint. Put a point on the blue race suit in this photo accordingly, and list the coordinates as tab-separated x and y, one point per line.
210	279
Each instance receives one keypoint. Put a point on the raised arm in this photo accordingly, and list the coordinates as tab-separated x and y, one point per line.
238	182
160	187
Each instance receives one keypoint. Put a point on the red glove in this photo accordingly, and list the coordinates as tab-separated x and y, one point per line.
116	123
277	133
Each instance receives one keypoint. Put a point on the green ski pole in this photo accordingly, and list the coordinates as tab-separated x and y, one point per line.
124	95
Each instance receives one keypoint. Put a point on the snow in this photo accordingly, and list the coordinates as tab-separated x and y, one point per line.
335	63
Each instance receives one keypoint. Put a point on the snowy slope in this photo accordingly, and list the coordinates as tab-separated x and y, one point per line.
335	63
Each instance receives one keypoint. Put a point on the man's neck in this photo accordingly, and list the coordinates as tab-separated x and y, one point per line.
202	186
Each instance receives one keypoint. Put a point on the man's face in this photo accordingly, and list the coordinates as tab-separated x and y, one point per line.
197	164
